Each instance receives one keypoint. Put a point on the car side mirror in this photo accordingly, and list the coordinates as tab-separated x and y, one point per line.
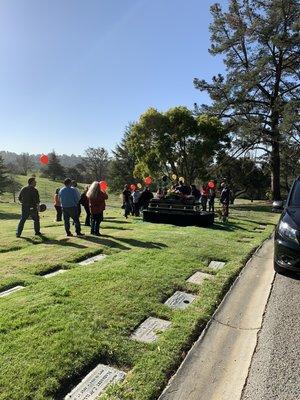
278	206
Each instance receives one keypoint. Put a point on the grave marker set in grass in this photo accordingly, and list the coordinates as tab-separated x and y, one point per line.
57	331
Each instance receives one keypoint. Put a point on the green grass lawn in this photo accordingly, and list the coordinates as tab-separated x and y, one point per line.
56	330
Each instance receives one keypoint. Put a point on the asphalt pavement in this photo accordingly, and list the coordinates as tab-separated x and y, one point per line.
275	367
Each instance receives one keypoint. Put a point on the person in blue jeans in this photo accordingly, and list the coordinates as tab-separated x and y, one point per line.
69	201
29	198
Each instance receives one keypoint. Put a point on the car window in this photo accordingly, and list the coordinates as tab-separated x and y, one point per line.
295	197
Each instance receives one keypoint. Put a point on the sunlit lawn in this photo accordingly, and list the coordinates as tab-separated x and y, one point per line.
55	330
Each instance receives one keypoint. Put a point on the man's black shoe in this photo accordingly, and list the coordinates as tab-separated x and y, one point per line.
80	234
70	234
38	234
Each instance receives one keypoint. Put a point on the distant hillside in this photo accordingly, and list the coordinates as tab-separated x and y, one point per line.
67	161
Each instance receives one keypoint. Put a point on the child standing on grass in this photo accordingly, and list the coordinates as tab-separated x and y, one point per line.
57	206
97	206
85	202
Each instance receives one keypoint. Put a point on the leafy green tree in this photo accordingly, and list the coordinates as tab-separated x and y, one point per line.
175	142
3	177
260	95
54	170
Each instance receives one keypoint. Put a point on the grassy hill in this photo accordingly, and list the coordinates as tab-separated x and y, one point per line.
46	188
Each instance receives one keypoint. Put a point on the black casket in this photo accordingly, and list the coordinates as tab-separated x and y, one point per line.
177	211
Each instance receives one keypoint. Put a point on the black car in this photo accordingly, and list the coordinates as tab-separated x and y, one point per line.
287	234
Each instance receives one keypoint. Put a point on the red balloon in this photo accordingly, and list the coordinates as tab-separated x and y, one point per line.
211	184
103	185
148	180
44	159
132	187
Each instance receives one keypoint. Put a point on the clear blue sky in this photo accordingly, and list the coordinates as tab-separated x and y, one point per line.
73	73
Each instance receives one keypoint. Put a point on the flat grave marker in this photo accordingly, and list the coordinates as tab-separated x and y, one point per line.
11	290
148	331
95	383
92	260
198	277
180	300
54	273
262	227
245	240
216	265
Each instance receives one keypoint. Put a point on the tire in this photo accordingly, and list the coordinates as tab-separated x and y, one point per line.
281	270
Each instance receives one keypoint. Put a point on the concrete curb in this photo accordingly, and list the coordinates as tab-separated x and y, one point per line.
217	365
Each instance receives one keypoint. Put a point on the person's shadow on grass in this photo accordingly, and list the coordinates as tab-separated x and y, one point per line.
113	242
61	242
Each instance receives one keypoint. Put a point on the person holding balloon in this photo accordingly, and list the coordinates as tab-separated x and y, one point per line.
97	196
211	196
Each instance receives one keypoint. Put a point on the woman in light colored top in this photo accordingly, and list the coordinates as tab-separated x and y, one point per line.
57	206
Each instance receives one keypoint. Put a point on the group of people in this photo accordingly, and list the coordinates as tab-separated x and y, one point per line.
205	195
67	202
135	200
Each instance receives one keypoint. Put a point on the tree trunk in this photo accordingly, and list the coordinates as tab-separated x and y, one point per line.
275	170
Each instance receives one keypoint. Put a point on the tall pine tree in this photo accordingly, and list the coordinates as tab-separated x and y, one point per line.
54	169
122	164
260	95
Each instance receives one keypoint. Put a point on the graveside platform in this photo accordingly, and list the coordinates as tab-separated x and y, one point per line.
181	212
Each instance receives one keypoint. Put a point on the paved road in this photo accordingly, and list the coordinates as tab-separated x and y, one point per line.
275	368
217	366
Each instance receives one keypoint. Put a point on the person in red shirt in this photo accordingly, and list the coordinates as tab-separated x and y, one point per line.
97	206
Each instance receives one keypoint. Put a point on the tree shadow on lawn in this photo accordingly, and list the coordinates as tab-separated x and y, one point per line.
120	228
62	242
117	221
105	242
146	245
7	216
113	242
